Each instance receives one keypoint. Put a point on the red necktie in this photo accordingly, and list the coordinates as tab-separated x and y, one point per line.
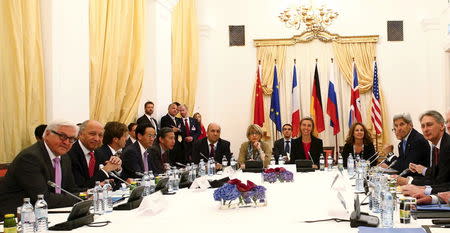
188	131
91	164
212	153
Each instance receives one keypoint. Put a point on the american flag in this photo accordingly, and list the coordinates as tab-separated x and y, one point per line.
376	106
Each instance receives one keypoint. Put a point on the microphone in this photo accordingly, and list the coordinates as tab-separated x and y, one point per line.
117	177
183	165
373	156
139	174
404	172
311	158
389	158
392	164
52	184
201	154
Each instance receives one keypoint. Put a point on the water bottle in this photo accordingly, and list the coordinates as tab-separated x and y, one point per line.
330	163
233	163
201	169
322	162
107	190
357	158
387	217
99	203
171	181
152	181
146	183
359	183
363	167
280	160
41	213
224	162
350	165
211	167
340	163
193	173
176	179
376	195
272	161
27	216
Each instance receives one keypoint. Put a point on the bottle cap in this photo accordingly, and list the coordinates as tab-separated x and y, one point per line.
40	196
9	215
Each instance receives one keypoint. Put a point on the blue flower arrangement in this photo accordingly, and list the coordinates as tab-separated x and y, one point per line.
246	193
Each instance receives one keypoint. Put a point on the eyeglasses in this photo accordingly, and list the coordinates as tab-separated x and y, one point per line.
64	137
152	135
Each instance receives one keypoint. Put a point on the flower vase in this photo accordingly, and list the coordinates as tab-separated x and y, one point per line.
226	205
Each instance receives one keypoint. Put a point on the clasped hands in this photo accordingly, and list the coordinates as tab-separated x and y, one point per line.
113	164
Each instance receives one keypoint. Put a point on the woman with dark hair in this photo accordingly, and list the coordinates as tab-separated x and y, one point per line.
360	143
307	146
198	117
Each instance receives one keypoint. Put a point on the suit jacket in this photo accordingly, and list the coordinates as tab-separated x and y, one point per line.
27	176
201	146
417	151
144	119
155	159
177	153
80	168
297	151
367	153
278	148
166	121
243	151
128	142
194	127
439	173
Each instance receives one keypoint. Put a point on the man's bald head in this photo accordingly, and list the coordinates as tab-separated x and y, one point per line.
213	132
91	134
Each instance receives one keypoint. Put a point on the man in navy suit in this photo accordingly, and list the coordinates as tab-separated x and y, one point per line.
43	161
135	157
114	139
283	145
190	130
171	120
147	117
86	160
212	146
132	132
413	147
161	156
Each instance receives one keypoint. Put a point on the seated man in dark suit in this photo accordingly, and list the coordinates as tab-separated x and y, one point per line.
132	132
160	153
43	161
437	177
114	139
85	161
190	130
136	157
171	121
283	146
212	146
147	117
413	147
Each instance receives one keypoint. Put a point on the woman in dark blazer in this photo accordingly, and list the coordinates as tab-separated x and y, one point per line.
360	143
307	146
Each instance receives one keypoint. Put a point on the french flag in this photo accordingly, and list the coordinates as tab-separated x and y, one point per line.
355	102
295	104
332	109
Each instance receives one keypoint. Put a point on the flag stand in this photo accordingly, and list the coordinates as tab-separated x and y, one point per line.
337	148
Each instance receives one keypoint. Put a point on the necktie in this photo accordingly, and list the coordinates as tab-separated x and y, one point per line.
91	164
404	146
435	156
212	152
186	125
145	161
164	158
287	147
58	175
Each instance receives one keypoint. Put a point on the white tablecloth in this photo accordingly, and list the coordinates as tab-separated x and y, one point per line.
289	204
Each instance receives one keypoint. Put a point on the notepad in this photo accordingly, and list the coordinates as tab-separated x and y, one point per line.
390	230
435	207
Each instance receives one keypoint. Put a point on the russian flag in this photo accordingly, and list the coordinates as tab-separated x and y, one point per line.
295	104
332	109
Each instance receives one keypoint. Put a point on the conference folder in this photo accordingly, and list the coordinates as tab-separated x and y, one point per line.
390	230
431	211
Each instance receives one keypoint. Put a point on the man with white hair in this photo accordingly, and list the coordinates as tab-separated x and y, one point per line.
43	161
447	121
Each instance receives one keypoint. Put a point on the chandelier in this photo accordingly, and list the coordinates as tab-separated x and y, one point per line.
314	19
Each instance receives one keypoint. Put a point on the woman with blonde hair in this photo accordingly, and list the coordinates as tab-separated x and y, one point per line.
254	149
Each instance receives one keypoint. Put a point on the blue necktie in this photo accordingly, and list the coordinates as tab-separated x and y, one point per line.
404	146
287	148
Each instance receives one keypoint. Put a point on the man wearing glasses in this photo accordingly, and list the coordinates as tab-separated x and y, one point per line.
135	157
86	161
43	161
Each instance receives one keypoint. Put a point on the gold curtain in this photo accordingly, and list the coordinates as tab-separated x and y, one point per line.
364	55
185	39
22	83
116	31
267	56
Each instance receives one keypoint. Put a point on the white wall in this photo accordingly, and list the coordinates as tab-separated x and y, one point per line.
412	72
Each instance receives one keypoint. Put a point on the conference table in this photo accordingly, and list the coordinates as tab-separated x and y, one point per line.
289	205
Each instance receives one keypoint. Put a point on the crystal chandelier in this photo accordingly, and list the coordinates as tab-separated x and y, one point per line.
314	19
